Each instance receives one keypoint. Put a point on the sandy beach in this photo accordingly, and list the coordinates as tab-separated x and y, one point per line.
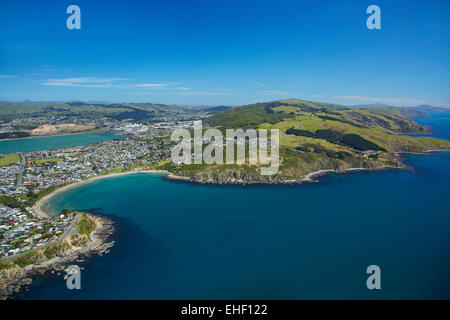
37	207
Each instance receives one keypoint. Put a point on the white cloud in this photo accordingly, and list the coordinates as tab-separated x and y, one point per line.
87	82
150	85
7	76
259	84
68	84
95	82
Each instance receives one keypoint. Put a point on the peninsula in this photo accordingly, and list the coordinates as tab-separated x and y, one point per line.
316	138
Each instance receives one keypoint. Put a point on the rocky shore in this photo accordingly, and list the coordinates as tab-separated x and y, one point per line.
14	278
239	178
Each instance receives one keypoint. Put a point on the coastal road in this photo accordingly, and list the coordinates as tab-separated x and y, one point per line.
21	168
70	230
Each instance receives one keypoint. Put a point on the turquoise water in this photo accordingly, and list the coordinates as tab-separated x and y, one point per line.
178	240
52	142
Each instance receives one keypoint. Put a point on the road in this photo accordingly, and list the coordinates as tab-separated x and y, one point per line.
21	168
70	230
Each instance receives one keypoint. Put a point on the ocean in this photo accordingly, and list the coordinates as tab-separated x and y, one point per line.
177	240
52	142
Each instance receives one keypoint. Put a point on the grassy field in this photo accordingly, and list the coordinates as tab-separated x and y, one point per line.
85	225
53	160
316	136
9	159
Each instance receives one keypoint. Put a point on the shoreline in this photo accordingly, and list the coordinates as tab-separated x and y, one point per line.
56	135
99	244
101	236
309	177
40	212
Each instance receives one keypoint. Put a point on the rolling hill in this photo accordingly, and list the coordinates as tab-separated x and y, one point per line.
118	111
318	136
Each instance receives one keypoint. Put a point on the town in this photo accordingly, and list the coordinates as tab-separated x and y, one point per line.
31	175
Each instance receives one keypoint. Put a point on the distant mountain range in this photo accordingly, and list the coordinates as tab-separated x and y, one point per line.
101	102
422	107
118	111
147	111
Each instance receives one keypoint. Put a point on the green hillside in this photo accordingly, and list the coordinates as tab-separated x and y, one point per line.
119	111
315	136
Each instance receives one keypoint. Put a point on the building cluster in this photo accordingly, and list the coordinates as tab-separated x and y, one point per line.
175	125
31	122
45	169
8	179
133	128
36	172
20	232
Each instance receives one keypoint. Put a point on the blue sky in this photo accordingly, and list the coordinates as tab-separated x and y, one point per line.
226	52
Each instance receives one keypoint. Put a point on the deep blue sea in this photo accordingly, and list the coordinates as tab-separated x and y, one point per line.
185	241
440	123
53	142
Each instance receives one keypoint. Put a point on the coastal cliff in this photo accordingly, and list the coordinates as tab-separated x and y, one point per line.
297	172
243	178
91	235
315	138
